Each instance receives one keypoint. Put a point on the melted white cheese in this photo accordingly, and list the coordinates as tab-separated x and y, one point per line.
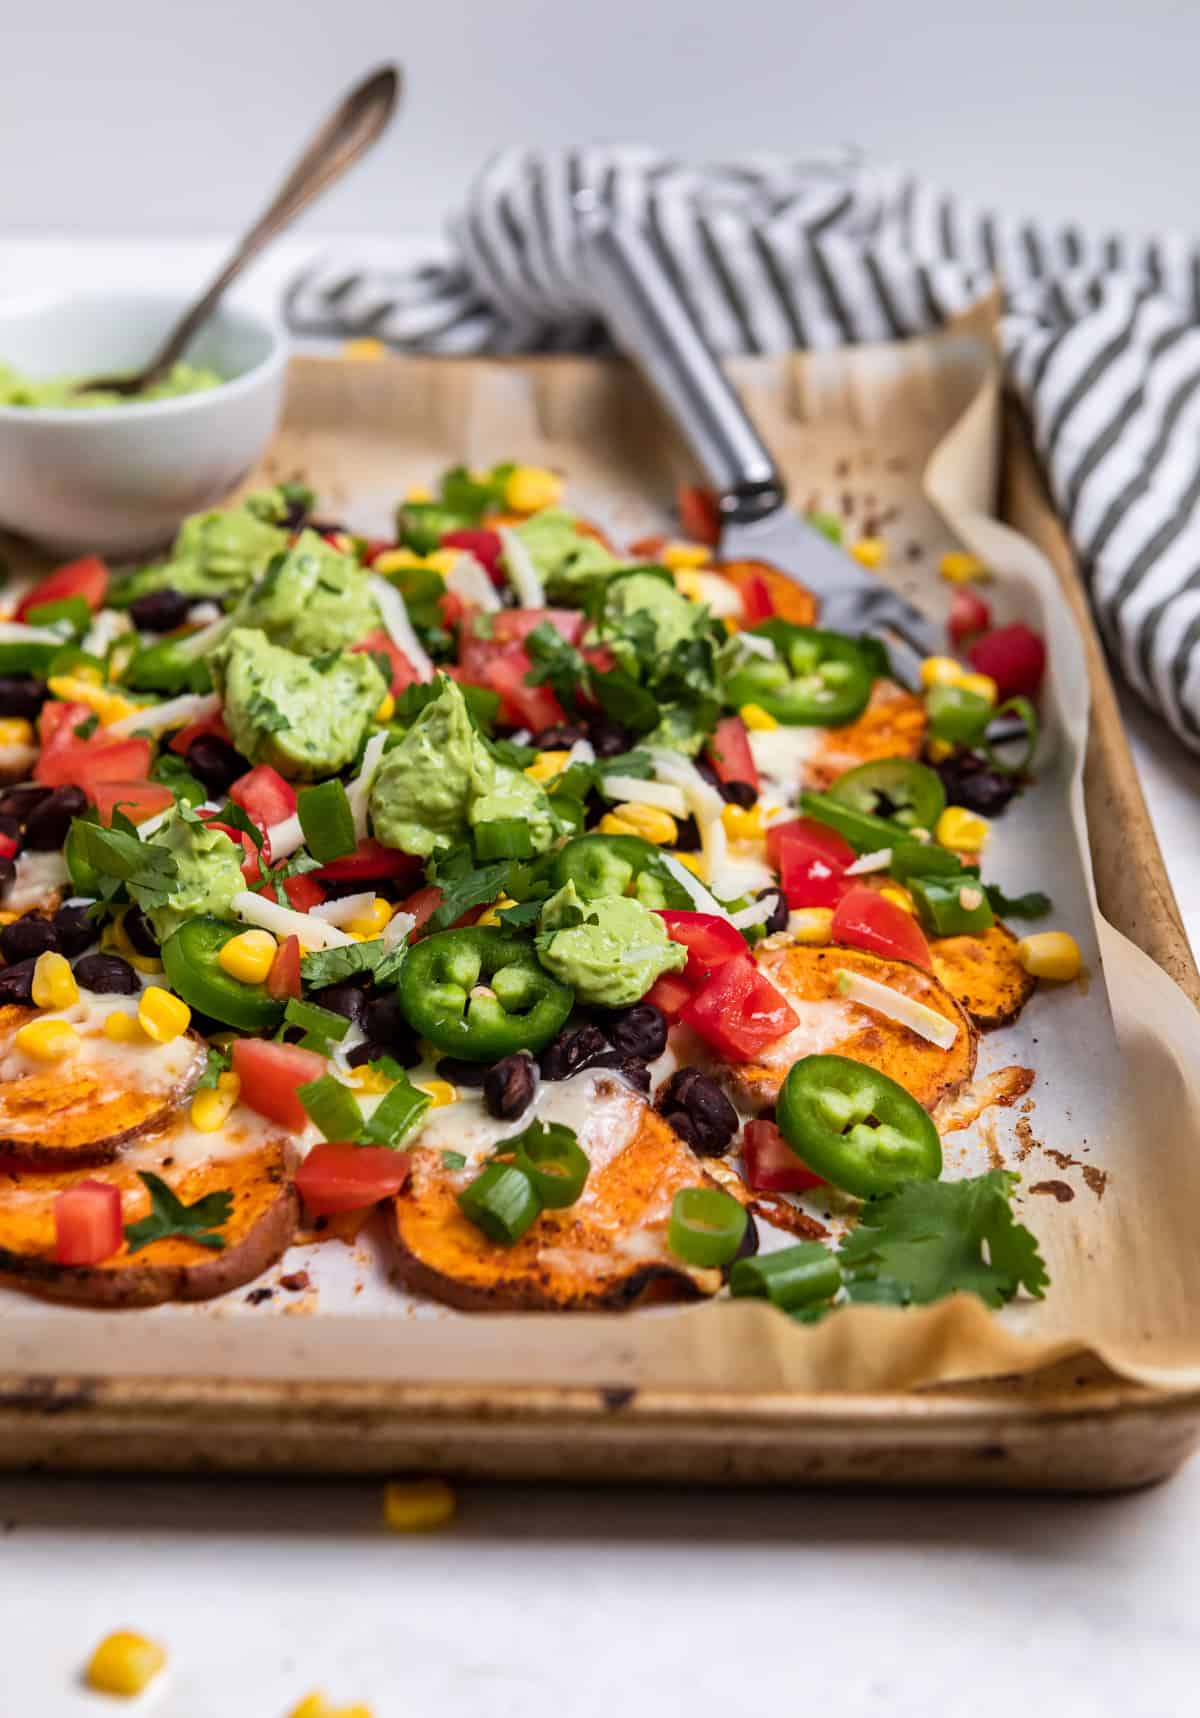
144	1067
38	877
821	1026
179	1145
596	1105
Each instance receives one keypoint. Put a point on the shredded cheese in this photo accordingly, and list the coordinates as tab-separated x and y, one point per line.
175	713
582	752
359	790
522	574
757	913
926	1022
877	861
342	911
691	884
285	837
16	632
468	579
285	922
399	628
629	789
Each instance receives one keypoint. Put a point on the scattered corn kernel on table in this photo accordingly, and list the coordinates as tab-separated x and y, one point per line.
263	1594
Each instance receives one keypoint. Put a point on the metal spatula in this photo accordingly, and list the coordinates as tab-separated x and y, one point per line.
652	325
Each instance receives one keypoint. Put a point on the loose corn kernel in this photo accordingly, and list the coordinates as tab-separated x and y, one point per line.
680	554
546	766
414	1506
441	1091
492	916
316	1706
530	488
937	751
1050	954
442	560
54	983
7	918
687	583
371	921
419	494
691	862
78	689
899	898
612	824
651	822
743	825
372	1081
114	937
162	1016
982	685
212	1107
123	1028
758	720
959	568
961	829
397	561
940	671
869	551
124	1663
365	349
387	708
249	956
811	924
47	1040
16	731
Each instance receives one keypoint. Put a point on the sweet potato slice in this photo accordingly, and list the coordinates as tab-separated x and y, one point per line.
791	601
259	1230
607	1250
82	1109
891	726
982	972
830	1024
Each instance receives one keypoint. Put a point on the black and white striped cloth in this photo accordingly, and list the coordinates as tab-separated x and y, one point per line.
1101	335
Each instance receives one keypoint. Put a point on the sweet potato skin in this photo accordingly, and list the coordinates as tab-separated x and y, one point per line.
982	973
260	1229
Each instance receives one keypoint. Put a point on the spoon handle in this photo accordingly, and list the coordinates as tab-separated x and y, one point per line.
346	135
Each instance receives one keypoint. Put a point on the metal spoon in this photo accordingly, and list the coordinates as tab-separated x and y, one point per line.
346	135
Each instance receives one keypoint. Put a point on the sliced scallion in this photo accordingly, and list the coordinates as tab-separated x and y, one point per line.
396	1114
327	821
706	1227
792	1277
551	1156
501	1201
332	1107
321	1021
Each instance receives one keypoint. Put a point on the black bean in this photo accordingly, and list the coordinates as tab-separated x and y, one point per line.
559	739
372	1051
26	938
609	739
76	932
639	1031
8	870
48	824
346	999
699	1111
778	920
19	802
384	1023
160	611
22	695
460	1073
708	772
687	835
739	793
571	1052
16	984
509	1086
970	781
107	975
630	1068
215	763
140	932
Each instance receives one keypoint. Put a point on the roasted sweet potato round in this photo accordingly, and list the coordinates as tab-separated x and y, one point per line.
982	972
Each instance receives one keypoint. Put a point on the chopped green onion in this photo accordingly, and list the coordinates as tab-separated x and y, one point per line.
792	1277
397	1113
1022	708
551	1156
74	610
506	838
952	906
453	1160
332	1107
327	821
957	716
501	1201
323	1021
707	1226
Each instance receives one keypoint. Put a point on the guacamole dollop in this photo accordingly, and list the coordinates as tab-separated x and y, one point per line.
610	951
441	781
208	869
306	717
566	562
311	599
220	553
674	618
57	391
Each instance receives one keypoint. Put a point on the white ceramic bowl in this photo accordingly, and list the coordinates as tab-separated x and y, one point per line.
118	479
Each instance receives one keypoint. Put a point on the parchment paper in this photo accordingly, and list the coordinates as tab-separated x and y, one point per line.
903	442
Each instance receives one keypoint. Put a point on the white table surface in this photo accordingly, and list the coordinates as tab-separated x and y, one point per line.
576	1604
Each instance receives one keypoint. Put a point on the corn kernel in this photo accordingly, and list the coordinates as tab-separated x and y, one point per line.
80	689
530	488
249	956
492	916
212	1107
758	720
937	751
396	561
691	862
442	560
899	898
959	568
869	551
162	1016
7	918
651	822
419	494
940	671
811	924
387	708
363	350
373	1081
47	1040
742	825
688	584
961	829
124	1663
316	1706
612	824
1050	954
372	920
982	685
414	1506
54	983
441	1091
124	1028
16	731
546	766
678	555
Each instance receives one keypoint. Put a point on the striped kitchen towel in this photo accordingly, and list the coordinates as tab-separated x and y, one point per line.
1100	334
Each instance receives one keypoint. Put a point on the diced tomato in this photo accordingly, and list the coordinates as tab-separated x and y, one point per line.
9	845
485	545
87	1223
369	859
522	705
771	1164
969	616
283	980
863	919
137	799
600	657
194	731
255	859
648	547
303	891
422	905
709	941
513	625
739	1012
87	578
451	607
380	643
756	599
729	752
60	720
271	1074
70	762
1014	656
811	860
669	994
698	514
376	546
264	796
335	1177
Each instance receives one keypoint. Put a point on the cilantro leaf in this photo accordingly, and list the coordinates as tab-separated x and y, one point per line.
334	965
523	914
478	888
1034	905
265	715
117	857
934	1238
170	1216
558	663
622	698
219	1062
